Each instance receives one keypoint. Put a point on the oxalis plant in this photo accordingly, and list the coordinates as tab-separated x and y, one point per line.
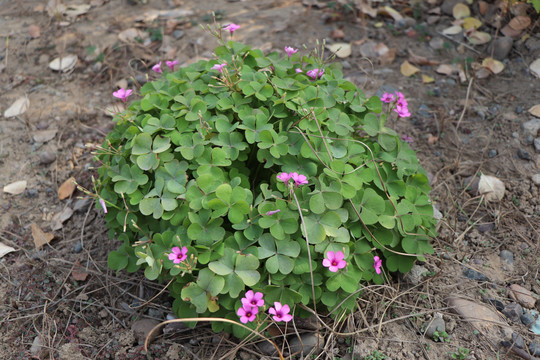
261	187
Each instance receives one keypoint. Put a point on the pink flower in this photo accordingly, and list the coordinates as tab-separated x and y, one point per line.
315	73
298	70
407	138
280	312
157	68
122	94
399	95
299	179
290	51
103	205
178	255
402	111
284	177
171	64
334	261
377	264
232	27
272	212
247	313
401	102
253	299
219	67
388	98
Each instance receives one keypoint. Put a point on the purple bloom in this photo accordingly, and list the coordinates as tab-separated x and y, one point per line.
402	111
284	177
280	312
219	67
407	138
103	205
232	28
299	179
272	212
178	255
298	70
253	299
157	68
171	64
247	313
290	51
315	73
377	264
122	94
334	261
388	98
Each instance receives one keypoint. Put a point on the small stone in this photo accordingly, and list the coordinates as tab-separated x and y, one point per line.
513	311
501	47
487	227
46	157
536	179
507	257
497	303
531	127
178	34
141	329
534	349
522	296
436	325
267	348
155	313
436	43
519	109
527	318
31	193
536	143
524	154
37	344
405	22
447	6
529	140
77	248
492	153
415	275
474	275
517	341
424	111
141	79
305	343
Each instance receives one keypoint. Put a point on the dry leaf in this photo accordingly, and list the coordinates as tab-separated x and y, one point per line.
426	79
342	50
452	30
388	11
33	31
535	111
420	60
432	139
4	249
510	32
129	35
15	188
535	68
482	73
520	23
471	23
42	136
365	8
479	37
76	10
407	69
461	11
495	66
65	63
491	187
483	7
79	275
67	188
337	34
18	107
386	56
445	69
60	218
40	237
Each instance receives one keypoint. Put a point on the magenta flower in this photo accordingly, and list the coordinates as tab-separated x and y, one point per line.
377	264
315	73
171	64
272	212
284	177
280	312
290	51
232	27
407	138
103	205
157	68
178	255
388	98
253	299
247	313
334	261
122	94
402	111
298	70
219	67
299	179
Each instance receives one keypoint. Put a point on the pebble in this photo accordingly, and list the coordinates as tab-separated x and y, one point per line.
536	143
519	109
141	79
474	275
141	329
437	324
178	34
529	140
155	313
507	256
517	341
534	349
308	342
37	344
492	153
536	179
531	127
447	6
46	157
483	228
499	305
415	275
513	311
524	154
501	47
527	318
436	43
77	248
31	193
424	111
522	296
266	348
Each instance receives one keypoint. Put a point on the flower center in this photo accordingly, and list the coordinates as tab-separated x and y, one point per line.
334	263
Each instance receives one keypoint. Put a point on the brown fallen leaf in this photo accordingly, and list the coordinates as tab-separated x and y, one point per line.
510	32
5	249
60	218
407	69
388	11
342	50
535	111
495	66
18	107
461	11
426	79
43	136
15	188
432	139
483	7
67	188
421	60
520	23
337	34
445	69
453	30
40	237
479	37
535	67
482	73
79	275
386	56
365	8
33	31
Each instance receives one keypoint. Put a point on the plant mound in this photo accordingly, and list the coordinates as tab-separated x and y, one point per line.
255	169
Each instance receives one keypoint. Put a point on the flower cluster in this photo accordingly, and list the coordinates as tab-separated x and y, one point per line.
290	51
298	179
377	264
170	64
401	103
253	301
334	261
178	255
315	73
122	94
